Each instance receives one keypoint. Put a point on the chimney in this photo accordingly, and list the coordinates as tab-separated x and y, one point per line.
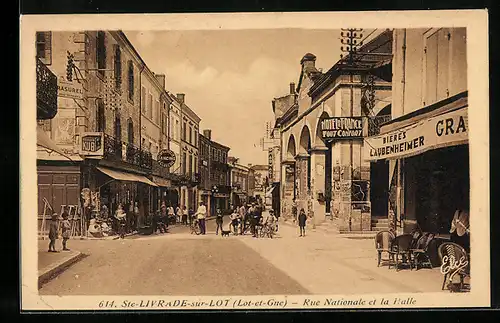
207	133
308	62
292	88
181	97
161	80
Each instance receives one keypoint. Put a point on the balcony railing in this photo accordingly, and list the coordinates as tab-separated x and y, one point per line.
374	124
46	92
115	149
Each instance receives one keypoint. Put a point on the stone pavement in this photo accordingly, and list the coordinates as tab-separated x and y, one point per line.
329	263
51	264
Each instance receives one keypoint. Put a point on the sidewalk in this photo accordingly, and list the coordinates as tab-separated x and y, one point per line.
329	263
52	264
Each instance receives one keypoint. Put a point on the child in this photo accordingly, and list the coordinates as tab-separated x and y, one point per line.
302	222
53	233
66	228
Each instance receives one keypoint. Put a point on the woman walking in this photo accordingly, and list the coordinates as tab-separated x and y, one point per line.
302	222
219	221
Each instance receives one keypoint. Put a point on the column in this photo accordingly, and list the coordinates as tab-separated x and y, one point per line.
301	180
287	189
318	183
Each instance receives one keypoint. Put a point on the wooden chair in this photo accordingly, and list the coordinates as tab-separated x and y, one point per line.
401	248
450	252
383	241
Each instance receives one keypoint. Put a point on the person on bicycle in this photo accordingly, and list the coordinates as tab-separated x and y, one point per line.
201	214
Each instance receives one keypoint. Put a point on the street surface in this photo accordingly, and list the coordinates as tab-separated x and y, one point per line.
178	263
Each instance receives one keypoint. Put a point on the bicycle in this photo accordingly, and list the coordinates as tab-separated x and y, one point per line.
266	230
195	227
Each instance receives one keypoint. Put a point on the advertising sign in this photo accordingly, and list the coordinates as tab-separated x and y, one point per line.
166	158
92	144
342	128
448	129
73	90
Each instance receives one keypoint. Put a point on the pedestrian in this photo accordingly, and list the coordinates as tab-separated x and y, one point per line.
130	218
235	220
171	214
201	214
66	229
185	215
178	213
163	214
294	211
302	222
53	232
219	219
136	215
255	218
121	218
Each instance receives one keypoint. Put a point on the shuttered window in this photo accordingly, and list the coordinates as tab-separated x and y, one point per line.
44	46
130	73
118	68
101	52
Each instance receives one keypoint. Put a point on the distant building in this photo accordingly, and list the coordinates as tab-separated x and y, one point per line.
239	182
259	181
215	174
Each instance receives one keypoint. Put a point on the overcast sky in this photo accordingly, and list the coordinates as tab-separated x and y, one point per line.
231	76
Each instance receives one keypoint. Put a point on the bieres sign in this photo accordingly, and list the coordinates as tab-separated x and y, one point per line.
91	144
342	128
166	158
445	130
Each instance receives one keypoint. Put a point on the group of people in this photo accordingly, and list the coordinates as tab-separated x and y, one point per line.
242	216
54	230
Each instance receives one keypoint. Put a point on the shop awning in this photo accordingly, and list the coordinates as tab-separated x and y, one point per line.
444	130
44	141
160	181
123	176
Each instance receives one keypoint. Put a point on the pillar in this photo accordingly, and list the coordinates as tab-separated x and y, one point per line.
301	179
318	183
287	188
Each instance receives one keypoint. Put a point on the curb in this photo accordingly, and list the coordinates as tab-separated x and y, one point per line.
59	268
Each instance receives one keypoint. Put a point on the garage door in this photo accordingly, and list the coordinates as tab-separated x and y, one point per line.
59	188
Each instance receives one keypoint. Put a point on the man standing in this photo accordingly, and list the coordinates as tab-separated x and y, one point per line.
243	216
201	214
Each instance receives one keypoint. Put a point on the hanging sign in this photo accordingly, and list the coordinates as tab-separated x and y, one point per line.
166	158
92	144
342	128
445	130
73	90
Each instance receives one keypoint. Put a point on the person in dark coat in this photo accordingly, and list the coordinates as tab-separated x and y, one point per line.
219	219
302	222
53	233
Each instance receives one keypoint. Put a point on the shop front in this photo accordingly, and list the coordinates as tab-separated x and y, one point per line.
220	199
428	156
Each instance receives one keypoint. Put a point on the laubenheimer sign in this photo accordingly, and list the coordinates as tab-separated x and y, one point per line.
445	130
342	128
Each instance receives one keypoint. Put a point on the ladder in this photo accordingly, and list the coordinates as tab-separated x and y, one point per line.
42	232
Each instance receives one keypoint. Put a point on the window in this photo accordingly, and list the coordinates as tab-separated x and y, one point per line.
44	46
184	157
437	49
176	133
143	100
195	137
190	165
184	131
195	164
101	52
158	112
118	128
130	81
172	124
101	117
190	134
130	131
150	106
118	68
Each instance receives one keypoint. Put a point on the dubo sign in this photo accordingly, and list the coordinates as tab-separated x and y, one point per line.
166	158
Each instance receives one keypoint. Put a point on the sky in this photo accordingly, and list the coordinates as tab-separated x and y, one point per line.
230	77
